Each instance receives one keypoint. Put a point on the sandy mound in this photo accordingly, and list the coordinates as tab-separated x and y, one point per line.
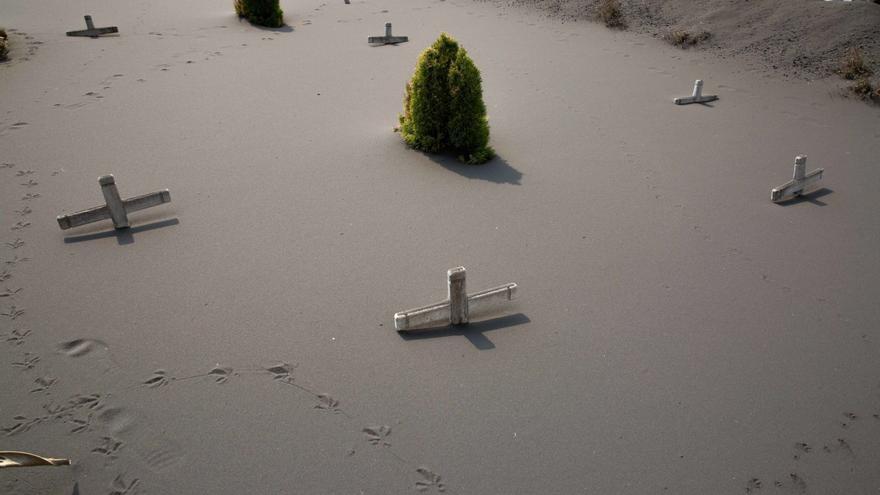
800	38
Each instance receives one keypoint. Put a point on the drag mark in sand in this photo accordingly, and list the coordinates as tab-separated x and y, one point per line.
80	347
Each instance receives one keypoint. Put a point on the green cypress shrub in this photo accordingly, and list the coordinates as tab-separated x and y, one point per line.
443	107
260	12
4	51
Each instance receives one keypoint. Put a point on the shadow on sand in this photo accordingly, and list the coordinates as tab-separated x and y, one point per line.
812	197
123	236
474	332
496	170
286	28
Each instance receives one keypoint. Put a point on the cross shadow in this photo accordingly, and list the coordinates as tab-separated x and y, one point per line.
474	332
123	236
812	197
496	170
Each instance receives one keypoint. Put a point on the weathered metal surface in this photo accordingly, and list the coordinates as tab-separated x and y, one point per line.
14	458
697	96
115	208
801	182
91	31
458	308
388	39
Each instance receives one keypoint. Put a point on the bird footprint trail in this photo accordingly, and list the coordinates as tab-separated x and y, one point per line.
160	378
429	479
134	433
378	435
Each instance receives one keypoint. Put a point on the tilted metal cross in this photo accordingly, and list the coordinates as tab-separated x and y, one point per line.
457	308
800	183
388	39
697	97
91	31
116	208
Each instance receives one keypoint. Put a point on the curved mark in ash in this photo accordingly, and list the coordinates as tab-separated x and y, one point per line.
80	347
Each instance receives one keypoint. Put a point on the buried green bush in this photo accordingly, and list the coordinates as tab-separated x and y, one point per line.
260	12
443	107
4	51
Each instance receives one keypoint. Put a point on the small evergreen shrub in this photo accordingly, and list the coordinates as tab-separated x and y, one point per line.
4	51
853	66
443	107
260	12
609	12
865	90
685	39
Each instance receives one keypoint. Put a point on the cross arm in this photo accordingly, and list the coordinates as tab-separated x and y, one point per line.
83	217
796	187
147	201
438	313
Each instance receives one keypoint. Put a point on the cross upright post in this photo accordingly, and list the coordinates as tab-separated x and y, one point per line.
458	306
388	39
91	31
697	96
115	208
801	182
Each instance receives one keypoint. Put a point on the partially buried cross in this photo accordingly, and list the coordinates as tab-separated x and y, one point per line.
91	31
456	308
115	208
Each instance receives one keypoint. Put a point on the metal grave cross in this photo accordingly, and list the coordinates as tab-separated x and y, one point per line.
454	310
697	97
91	31
116	208
388	39
800	183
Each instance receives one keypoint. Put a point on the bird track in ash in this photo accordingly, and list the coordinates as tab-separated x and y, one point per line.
30	196
22	173
121	487
7	292
25	211
30	183
13	313
17	243
43	384
20	225
17	336
429	479
16	260
109	447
